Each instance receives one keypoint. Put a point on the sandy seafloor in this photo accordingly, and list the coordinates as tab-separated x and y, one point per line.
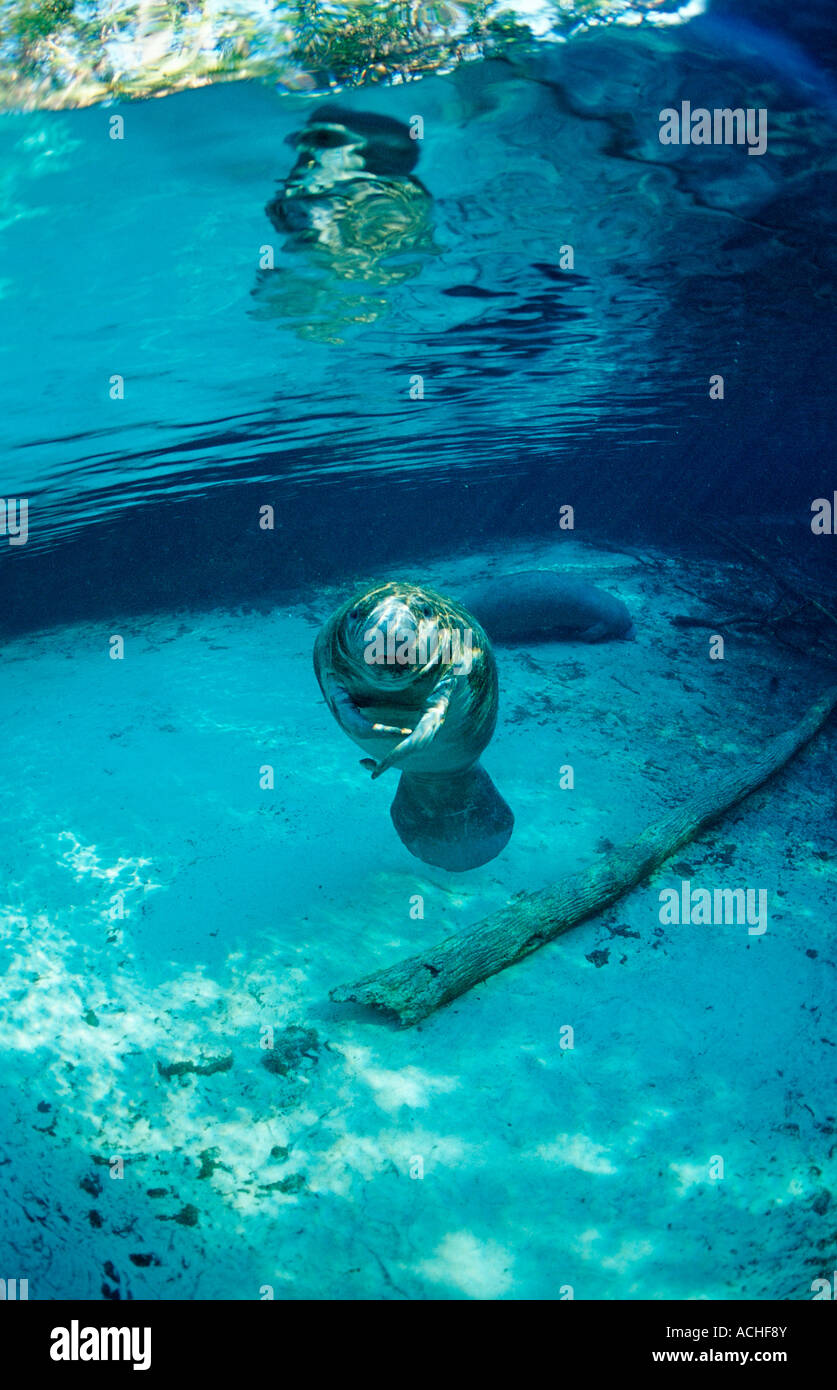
543	1167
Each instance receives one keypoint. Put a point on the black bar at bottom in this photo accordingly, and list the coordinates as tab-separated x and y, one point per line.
60	1339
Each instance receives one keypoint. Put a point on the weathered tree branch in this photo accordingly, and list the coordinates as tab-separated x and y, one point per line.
736	543
413	988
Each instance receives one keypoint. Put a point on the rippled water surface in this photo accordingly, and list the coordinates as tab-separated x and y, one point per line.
141	258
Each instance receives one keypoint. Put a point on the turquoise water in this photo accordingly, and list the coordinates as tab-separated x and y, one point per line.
527	319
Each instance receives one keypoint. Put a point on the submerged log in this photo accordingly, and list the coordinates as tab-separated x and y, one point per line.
413	988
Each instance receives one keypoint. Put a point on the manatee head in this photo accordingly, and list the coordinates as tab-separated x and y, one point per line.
339	137
353	207
390	636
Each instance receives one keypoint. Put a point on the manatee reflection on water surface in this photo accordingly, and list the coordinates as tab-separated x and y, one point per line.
353	211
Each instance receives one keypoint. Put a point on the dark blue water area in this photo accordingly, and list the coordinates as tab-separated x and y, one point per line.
543	383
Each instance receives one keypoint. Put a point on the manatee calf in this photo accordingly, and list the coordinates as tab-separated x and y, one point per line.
411	678
542	606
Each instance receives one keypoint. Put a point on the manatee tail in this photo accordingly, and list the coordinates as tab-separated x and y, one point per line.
456	821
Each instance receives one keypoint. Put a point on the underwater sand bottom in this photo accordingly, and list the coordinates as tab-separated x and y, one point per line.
133	1043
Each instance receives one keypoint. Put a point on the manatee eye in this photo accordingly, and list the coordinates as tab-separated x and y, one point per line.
354	613
426	611
325	139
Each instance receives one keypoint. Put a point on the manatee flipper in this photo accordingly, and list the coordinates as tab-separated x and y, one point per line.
601	632
432	719
346	712
352	717
456	822
597	633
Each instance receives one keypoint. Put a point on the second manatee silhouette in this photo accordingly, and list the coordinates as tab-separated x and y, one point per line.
542	606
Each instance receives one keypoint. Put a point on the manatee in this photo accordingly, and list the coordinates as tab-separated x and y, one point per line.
411	678
542	606
351	199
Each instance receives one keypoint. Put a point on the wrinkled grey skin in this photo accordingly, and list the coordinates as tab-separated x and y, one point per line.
542	606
